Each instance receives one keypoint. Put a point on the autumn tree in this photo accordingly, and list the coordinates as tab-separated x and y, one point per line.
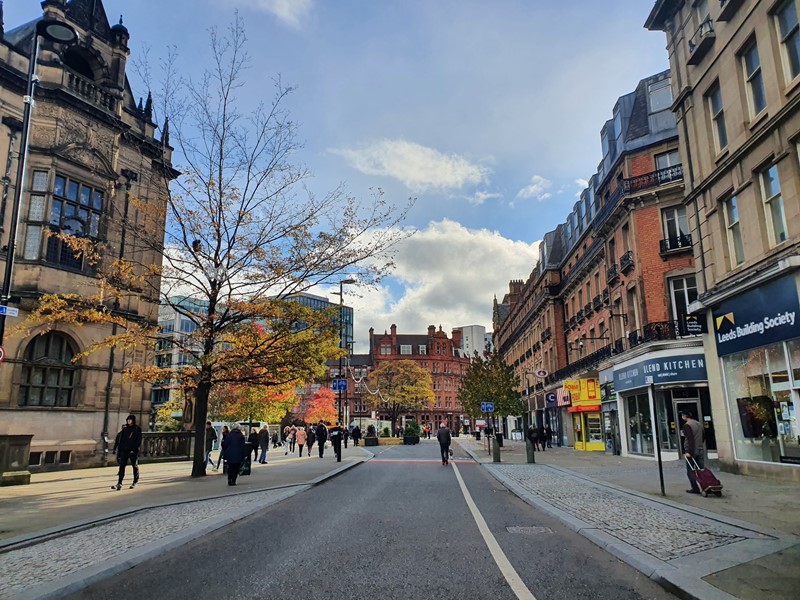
398	387
235	236
322	407
489	379
243	403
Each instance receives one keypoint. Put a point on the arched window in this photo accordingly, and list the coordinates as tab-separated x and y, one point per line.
48	375
79	61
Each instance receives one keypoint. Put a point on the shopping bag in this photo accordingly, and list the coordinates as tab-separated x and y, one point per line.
245	468
450	450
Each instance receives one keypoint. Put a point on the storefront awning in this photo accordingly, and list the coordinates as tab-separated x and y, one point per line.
584	408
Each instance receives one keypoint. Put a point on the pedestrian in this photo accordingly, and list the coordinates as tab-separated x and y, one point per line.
301	437
275	440
234	448
548	435
312	437
263	442
542	437
322	436
211	437
356	434
693	448
345	435
225	431
533	436
443	435
130	438
253	440
335	433
292	438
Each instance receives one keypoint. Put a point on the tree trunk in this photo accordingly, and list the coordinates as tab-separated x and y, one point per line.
200	415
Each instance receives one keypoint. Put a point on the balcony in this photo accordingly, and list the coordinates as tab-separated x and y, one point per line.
660	330
626	261
606	296
546	334
618	347
653	179
597	302
681	243
612	274
608	208
573	322
728	8
587	310
580	316
89	91
581	365
701	42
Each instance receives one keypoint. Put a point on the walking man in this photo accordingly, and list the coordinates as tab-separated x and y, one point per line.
312	437
322	436
336	435
356	434
443	435
234	448
693	448
263	442
130	438
211	437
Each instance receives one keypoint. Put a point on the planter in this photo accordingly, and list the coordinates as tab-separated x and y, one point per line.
370	441
410	440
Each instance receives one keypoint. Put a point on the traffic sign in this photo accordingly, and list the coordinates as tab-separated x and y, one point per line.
2	354
541	373
339	385
487	406
9	311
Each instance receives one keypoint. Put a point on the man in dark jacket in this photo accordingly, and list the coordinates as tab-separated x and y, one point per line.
443	435
211	437
335	434
356	434
263	442
130	438
233	447
322	436
693	448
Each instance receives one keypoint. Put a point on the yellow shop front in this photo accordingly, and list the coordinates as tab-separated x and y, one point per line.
587	426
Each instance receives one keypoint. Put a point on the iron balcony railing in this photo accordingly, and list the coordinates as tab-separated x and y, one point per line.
597	302
626	261
673	244
612	273
653	179
584	363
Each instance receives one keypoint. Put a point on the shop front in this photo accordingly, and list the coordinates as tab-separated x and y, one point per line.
610	412
679	383
757	337
585	414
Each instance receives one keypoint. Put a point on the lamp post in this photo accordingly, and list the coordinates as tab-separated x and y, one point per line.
341	338
54	31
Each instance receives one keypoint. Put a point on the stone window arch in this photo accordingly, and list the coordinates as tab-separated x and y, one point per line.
81	61
48	374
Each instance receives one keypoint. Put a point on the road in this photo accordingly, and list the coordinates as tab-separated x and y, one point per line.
399	526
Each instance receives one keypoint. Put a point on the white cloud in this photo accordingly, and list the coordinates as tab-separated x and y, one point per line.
290	12
418	167
537	188
445	275
479	197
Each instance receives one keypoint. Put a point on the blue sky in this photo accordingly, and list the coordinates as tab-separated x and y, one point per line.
488	113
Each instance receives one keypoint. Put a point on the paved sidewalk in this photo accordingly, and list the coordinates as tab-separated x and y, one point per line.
730	547
69	529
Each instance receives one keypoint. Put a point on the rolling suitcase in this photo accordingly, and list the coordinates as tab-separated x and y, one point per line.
706	480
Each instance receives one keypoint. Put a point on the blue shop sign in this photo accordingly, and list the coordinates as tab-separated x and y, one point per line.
683	368
761	316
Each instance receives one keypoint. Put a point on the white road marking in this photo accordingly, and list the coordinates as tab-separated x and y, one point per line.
512	577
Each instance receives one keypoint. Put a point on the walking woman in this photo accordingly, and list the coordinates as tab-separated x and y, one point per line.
302	436
312	437
225	431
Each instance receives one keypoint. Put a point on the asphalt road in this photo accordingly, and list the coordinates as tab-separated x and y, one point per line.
398	526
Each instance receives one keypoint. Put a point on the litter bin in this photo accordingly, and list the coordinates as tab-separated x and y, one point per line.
478	434
499	438
516	434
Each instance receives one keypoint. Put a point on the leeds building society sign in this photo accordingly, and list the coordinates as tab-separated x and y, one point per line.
761	316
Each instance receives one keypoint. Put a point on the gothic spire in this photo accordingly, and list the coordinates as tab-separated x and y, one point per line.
148	107
165	133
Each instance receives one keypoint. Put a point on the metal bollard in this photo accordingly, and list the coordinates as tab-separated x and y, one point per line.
530	451
495	450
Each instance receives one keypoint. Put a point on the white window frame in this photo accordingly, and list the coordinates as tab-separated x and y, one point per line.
784	38
386	349
684	290
673	159
656	89
753	79
405	349
423	349
768	206
730	211
717	117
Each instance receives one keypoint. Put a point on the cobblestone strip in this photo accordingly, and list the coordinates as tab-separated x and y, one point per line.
656	530
59	557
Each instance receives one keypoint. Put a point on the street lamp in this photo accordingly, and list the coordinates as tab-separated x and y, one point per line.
341	337
61	33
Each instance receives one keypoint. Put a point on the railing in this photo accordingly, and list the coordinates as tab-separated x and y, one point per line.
618	347
166	444
606	296
659	330
587	310
582	364
671	244
585	259
573	322
89	91
653	179
626	261
612	273
701	41
609	206
597	302
580	316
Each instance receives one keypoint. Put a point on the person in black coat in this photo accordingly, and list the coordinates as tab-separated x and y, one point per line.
312	437
322	436
253	439
233	448
130	438
356	434
542	437
443	435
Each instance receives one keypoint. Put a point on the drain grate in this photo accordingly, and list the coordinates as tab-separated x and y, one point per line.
529	530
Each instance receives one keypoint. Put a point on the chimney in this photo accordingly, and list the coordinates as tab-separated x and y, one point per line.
431	330
394	337
371	340
457	338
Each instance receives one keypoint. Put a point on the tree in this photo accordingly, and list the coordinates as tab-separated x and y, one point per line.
164	419
253	404
399	387
228	244
489	379
322	407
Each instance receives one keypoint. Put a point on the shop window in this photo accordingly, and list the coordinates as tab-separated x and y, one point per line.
640	429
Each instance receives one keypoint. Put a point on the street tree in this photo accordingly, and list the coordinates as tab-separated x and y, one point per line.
489	379
228	244
398	387
322	407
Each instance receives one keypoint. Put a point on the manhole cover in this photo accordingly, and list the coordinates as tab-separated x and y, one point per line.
529	530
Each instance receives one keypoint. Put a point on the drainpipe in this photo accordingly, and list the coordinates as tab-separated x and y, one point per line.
130	177
14	126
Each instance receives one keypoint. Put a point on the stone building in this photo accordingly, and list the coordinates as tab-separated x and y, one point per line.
736	88
92	149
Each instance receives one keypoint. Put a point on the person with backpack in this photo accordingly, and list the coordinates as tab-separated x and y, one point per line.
322	436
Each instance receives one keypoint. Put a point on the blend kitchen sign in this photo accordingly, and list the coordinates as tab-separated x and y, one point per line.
761	316
683	368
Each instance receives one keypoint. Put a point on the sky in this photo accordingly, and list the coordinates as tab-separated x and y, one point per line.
488	113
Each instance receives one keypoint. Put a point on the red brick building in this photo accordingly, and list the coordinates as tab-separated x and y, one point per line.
440	355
